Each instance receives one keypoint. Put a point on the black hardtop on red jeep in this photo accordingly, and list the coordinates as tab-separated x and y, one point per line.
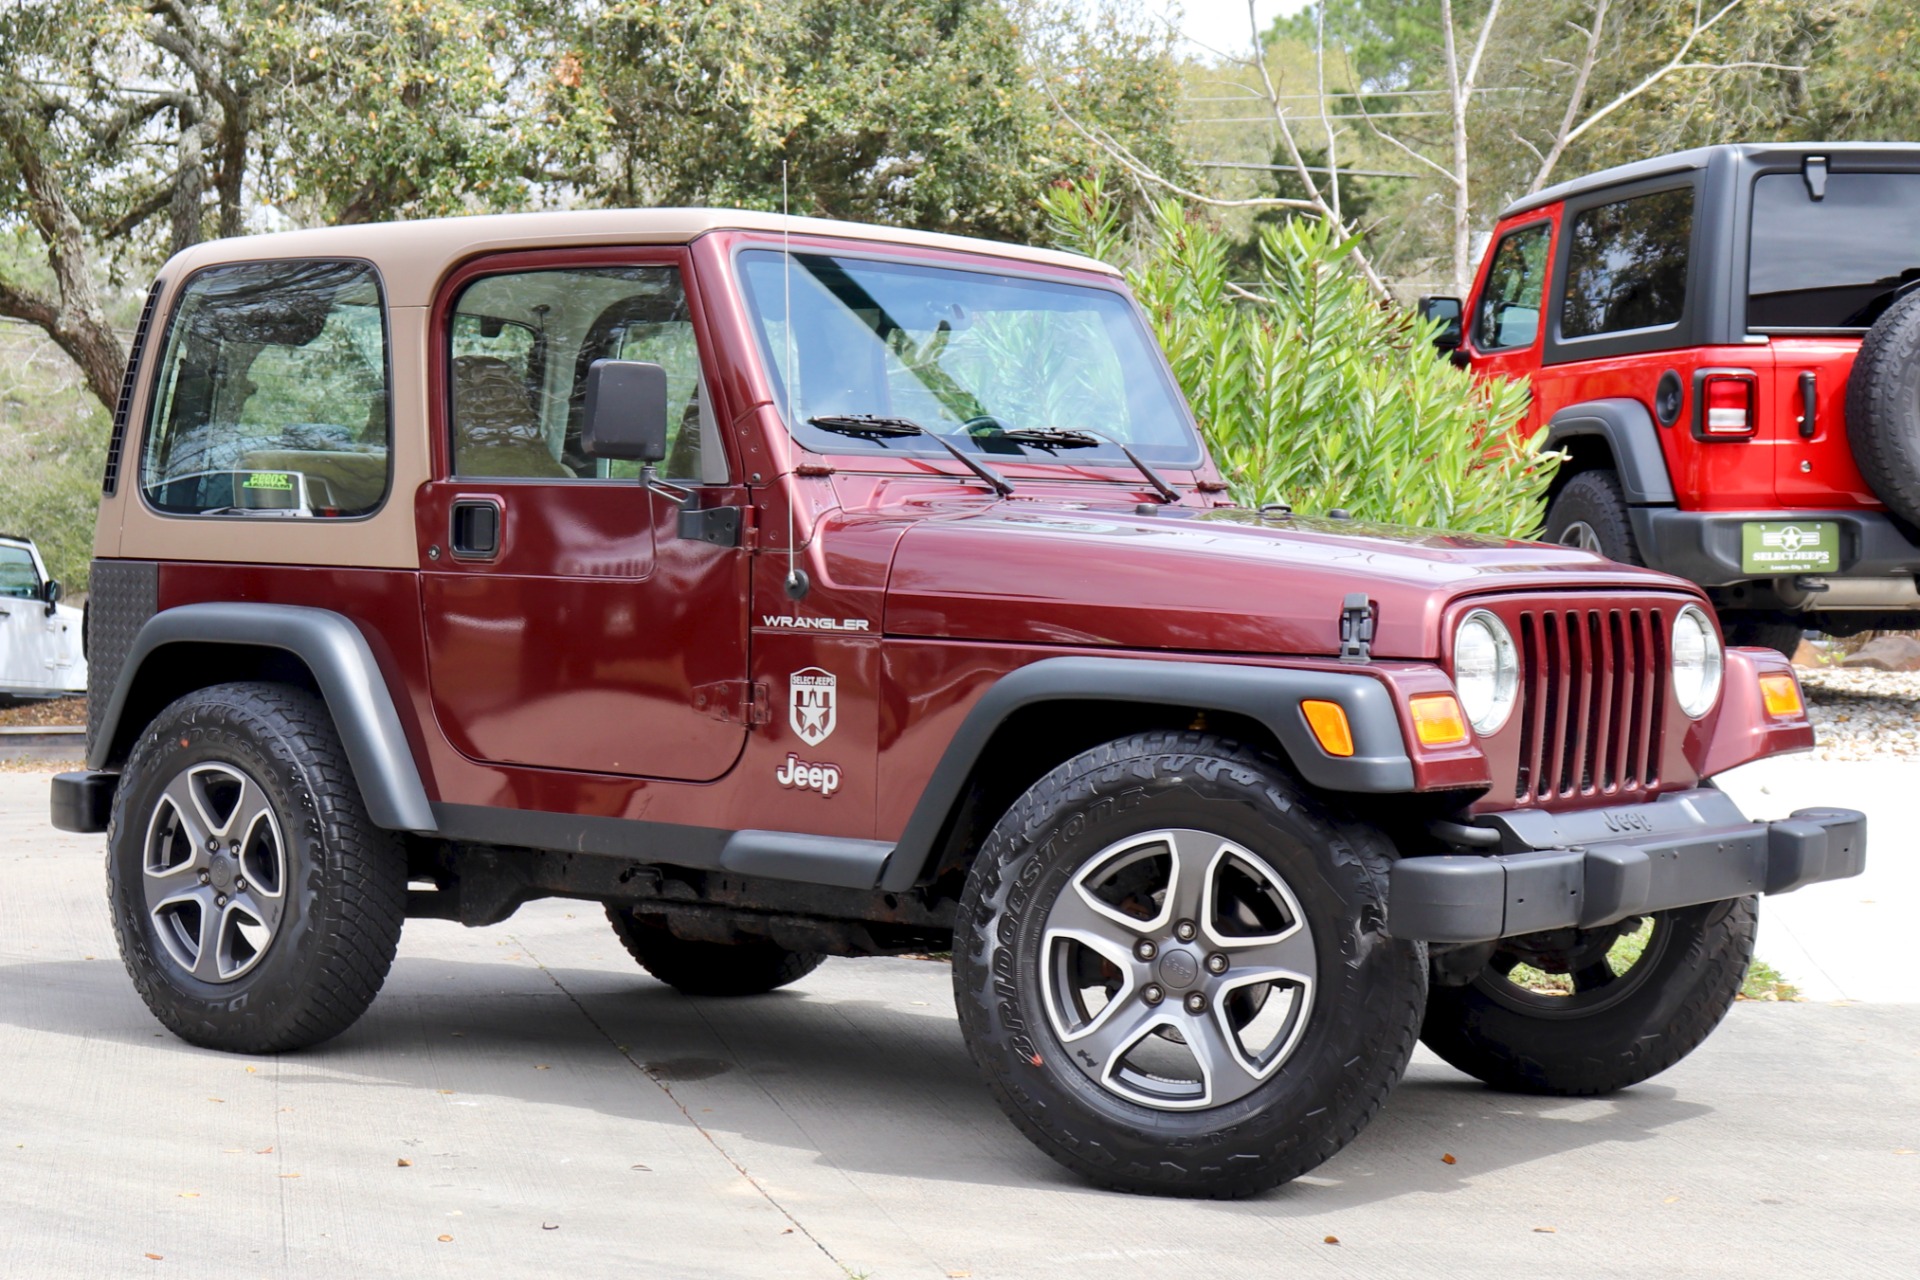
1726	342
799	589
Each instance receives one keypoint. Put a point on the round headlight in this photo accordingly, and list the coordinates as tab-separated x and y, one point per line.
1486	670
1696	662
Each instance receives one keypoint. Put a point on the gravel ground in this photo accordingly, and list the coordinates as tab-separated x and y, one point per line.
52	711
1863	715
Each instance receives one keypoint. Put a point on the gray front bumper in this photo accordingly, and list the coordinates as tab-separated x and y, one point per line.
1595	866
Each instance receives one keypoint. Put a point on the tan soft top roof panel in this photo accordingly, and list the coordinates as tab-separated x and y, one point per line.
412	256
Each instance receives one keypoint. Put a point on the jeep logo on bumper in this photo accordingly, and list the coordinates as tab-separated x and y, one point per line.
1627	820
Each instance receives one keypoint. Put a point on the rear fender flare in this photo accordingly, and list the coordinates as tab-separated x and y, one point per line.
1270	695
343	667
1631	437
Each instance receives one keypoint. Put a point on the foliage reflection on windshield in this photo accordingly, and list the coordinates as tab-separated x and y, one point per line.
964	353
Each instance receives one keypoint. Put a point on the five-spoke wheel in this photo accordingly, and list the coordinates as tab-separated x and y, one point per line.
215	871
1179	969
256	903
1171	963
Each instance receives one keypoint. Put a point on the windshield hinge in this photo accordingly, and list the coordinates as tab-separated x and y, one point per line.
1356	629
734	701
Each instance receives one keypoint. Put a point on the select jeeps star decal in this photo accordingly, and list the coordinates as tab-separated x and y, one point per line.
812	707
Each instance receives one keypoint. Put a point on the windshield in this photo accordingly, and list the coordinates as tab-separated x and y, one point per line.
1833	263
969	354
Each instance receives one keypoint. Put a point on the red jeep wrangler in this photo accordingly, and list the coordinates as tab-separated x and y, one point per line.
801	589
1726	342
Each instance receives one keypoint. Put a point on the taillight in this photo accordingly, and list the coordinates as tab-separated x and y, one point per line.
1727	409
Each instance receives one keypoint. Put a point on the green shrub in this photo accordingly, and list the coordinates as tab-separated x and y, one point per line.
1309	390
52	445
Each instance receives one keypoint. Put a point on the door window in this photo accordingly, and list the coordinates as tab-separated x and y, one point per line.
1627	265
1509	310
18	579
522	344
273	396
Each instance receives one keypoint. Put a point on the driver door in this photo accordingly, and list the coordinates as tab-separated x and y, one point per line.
570	625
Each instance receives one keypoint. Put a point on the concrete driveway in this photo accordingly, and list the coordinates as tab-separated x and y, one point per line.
558	1113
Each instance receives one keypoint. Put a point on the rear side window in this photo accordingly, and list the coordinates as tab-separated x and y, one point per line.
18	578
1627	265
1833	263
273	396
1509	311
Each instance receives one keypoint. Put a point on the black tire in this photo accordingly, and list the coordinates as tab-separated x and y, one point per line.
1774	631
747	968
1524	1045
1351	1038
1883	407
341	887
1592	503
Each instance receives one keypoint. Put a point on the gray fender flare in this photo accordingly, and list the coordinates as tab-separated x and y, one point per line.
1628	429
342	664
1270	695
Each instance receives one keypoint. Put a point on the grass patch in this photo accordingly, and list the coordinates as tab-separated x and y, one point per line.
1763	981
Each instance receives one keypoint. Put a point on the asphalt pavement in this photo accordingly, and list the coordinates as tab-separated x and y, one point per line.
521	1100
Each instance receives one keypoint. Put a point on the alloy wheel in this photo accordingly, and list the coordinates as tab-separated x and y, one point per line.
215	871
1178	970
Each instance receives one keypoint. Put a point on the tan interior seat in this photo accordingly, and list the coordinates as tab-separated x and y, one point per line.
495	429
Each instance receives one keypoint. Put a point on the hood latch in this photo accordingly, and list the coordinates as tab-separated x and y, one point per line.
1356	629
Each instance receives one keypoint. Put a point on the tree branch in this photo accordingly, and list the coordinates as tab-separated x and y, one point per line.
1576	99
1677	63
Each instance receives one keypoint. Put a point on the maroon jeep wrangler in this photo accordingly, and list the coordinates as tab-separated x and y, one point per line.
799	589
1727	344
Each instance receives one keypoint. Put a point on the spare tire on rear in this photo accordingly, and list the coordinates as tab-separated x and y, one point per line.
1883	407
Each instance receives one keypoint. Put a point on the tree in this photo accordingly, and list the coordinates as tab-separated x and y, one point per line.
131	129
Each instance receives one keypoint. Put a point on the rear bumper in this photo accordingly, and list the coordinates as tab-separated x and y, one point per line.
1704	546
81	801
1596	866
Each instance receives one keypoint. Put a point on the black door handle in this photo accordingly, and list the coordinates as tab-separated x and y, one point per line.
1809	402
475	532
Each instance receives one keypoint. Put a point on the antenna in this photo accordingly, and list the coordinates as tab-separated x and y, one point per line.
797	582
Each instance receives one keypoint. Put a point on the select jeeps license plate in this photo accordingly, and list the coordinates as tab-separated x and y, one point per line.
1811	546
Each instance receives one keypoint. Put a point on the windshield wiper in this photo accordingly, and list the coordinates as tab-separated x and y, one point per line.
1081	438
874	426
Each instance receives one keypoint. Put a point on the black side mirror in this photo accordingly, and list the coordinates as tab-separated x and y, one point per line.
626	411
50	592
1449	313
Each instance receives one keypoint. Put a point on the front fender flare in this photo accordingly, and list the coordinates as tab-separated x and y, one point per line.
1271	695
343	665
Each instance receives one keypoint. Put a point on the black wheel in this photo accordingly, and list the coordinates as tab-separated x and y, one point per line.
1590	512
256	905
1636	998
1171	964
1883	407
746	968
1774	631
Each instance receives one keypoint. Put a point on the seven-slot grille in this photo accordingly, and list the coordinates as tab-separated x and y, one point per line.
1593	700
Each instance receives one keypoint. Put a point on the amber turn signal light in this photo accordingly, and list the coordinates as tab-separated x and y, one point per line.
1438	720
1782	696
1328	720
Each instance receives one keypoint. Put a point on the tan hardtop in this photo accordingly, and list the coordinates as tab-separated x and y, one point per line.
414	256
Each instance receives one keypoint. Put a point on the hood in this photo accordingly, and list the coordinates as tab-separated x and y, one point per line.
1216	581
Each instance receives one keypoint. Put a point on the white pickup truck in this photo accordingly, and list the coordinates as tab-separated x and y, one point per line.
40	638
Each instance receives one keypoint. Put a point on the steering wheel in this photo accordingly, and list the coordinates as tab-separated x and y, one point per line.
984	425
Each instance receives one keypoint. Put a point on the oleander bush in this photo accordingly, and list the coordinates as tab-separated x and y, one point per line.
1310	390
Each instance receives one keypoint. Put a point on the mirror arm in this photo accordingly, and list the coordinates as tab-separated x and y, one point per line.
650	481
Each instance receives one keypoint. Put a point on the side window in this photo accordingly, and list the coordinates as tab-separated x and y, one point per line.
521	347
273	397
1509	311
1627	265
18	581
